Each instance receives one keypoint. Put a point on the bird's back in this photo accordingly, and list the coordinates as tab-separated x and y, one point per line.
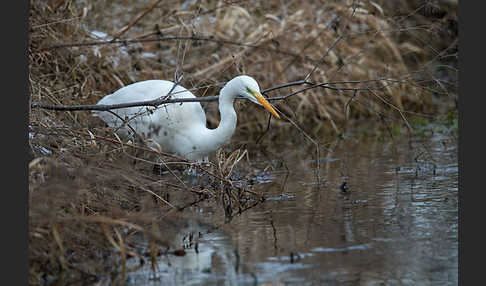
160	124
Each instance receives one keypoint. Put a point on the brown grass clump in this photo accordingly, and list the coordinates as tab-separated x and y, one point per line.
88	188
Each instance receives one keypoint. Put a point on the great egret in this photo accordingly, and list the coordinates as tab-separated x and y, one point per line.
180	128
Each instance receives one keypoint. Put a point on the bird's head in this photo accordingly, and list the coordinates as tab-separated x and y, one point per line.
248	88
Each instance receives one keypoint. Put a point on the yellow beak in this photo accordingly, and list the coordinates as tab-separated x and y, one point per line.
265	103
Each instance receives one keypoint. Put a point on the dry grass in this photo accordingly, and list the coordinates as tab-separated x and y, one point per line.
86	185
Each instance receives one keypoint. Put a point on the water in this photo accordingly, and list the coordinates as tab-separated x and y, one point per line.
394	222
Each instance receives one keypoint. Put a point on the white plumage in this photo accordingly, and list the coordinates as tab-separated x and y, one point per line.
180	128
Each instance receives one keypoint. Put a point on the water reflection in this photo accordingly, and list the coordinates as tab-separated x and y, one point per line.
208	257
395	222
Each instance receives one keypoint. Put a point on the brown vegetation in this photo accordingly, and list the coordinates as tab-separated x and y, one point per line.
85	184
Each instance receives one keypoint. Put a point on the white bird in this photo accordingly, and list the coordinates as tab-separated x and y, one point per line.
180	128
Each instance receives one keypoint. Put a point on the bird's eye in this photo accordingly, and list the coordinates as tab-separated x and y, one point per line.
249	90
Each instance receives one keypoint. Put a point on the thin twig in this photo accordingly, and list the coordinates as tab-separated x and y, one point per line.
126	28
321	60
125	122
147	190
394	107
310	139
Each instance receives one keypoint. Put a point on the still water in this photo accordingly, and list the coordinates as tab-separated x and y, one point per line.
378	213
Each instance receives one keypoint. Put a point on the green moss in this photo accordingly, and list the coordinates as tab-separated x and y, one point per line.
397	129
419	121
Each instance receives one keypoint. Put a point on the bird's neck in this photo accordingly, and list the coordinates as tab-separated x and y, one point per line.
227	125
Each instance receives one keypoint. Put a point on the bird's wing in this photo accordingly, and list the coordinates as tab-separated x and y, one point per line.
185	114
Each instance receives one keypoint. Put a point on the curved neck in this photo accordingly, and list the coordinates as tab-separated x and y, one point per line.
227	125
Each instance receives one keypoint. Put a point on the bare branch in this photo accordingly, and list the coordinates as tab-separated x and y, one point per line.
177	38
106	107
164	99
127	27
125	122
322	58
